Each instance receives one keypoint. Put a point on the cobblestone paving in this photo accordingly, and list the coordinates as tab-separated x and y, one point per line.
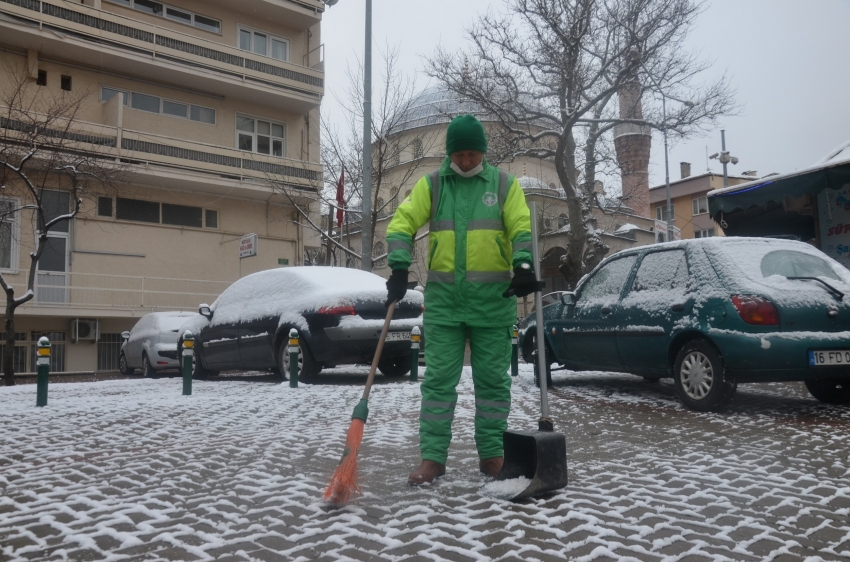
131	470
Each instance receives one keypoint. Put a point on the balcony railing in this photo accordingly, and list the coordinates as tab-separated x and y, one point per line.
139	148
95	292
105	28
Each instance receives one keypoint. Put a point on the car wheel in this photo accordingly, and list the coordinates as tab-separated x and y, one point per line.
198	370
123	367
700	378
397	366
147	369
830	391
308	369
533	357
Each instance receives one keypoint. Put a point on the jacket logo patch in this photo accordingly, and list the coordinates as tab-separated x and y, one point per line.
489	199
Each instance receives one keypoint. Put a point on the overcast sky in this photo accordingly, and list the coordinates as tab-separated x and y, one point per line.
787	59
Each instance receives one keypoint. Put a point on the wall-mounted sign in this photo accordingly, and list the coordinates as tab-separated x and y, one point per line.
248	246
661	232
834	219
283	261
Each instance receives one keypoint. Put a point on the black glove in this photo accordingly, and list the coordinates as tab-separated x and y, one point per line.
523	283
396	286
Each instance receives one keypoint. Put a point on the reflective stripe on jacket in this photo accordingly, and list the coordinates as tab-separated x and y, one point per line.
479	230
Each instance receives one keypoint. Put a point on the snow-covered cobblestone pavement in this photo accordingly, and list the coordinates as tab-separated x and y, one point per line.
132	470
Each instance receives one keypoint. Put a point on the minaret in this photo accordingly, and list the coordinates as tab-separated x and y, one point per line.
633	142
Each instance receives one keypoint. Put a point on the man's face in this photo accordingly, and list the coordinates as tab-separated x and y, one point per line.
467	159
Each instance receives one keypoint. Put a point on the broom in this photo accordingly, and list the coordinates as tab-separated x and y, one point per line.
344	480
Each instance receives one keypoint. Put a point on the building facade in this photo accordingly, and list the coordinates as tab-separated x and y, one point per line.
689	199
211	111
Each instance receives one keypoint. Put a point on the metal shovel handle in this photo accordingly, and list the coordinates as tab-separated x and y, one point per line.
538	309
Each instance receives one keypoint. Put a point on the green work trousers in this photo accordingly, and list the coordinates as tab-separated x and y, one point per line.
491	357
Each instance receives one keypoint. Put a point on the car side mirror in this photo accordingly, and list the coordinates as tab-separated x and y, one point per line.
204	310
568	298
125	335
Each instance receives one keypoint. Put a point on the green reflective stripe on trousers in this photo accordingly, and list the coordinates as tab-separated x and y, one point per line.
492	404
441	276
393	245
437	226
485	224
433	404
492	415
436	417
488	276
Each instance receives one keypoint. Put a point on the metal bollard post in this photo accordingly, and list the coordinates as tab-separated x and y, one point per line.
188	354
293	358
43	363
414	354
514	353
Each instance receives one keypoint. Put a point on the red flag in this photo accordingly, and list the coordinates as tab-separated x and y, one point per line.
340	198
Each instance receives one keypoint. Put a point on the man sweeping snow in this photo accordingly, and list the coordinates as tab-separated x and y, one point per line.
479	230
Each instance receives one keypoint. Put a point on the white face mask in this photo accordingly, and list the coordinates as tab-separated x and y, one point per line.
473	172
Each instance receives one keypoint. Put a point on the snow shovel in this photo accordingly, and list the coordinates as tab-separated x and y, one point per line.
540	456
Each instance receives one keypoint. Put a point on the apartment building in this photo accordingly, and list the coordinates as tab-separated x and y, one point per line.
211	109
689	199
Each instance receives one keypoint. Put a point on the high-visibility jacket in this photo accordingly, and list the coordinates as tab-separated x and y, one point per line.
479	230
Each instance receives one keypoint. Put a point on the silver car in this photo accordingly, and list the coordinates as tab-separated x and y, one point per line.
152	343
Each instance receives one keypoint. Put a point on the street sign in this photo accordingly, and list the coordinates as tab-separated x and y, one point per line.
283	261
248	246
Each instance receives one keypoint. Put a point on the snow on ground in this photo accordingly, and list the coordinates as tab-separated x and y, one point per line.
131	470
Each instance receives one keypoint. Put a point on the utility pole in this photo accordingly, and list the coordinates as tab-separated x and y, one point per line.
366	235
724	157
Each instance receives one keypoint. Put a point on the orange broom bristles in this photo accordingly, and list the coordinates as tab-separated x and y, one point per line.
344	480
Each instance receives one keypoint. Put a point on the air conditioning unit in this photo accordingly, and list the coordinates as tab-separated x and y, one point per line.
84	329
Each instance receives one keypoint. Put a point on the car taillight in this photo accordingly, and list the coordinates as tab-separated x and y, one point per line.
756	310
339	310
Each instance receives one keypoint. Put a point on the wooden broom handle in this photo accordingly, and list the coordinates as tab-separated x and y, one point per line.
371	378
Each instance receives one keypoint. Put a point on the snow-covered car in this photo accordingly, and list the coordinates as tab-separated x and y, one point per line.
338	313
711	313
150	345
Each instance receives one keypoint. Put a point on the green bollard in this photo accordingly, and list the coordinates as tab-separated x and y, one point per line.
43	363
188	353
514	353
414	354
293	358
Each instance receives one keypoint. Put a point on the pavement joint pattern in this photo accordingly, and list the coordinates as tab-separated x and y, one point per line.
131	470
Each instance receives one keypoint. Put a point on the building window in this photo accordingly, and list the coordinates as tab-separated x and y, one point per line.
8	234
418	151
164	213
380	251
707	233
264	44
662	216
172	13
395	155
257	135
66	83
155	104
211	218
108	350
562	220
700	205
42	78
104	207
19	357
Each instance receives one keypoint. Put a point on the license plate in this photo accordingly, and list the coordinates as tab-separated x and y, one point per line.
398	336
832	357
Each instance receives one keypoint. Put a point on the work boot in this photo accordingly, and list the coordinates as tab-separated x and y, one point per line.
427	472
491	466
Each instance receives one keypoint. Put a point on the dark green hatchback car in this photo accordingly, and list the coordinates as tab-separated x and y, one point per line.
710	313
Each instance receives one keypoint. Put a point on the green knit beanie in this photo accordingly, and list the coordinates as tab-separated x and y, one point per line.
465	133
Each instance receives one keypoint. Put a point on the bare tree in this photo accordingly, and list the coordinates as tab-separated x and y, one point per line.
42	145
549	72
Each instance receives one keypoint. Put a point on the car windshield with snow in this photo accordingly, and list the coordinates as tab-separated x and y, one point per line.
710	313
150	345
337	312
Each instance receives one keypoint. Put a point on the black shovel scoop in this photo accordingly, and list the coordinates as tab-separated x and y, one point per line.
540	456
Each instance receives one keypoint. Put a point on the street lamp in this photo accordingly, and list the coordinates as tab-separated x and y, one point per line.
668	211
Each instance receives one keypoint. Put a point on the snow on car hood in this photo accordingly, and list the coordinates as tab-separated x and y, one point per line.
291	291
